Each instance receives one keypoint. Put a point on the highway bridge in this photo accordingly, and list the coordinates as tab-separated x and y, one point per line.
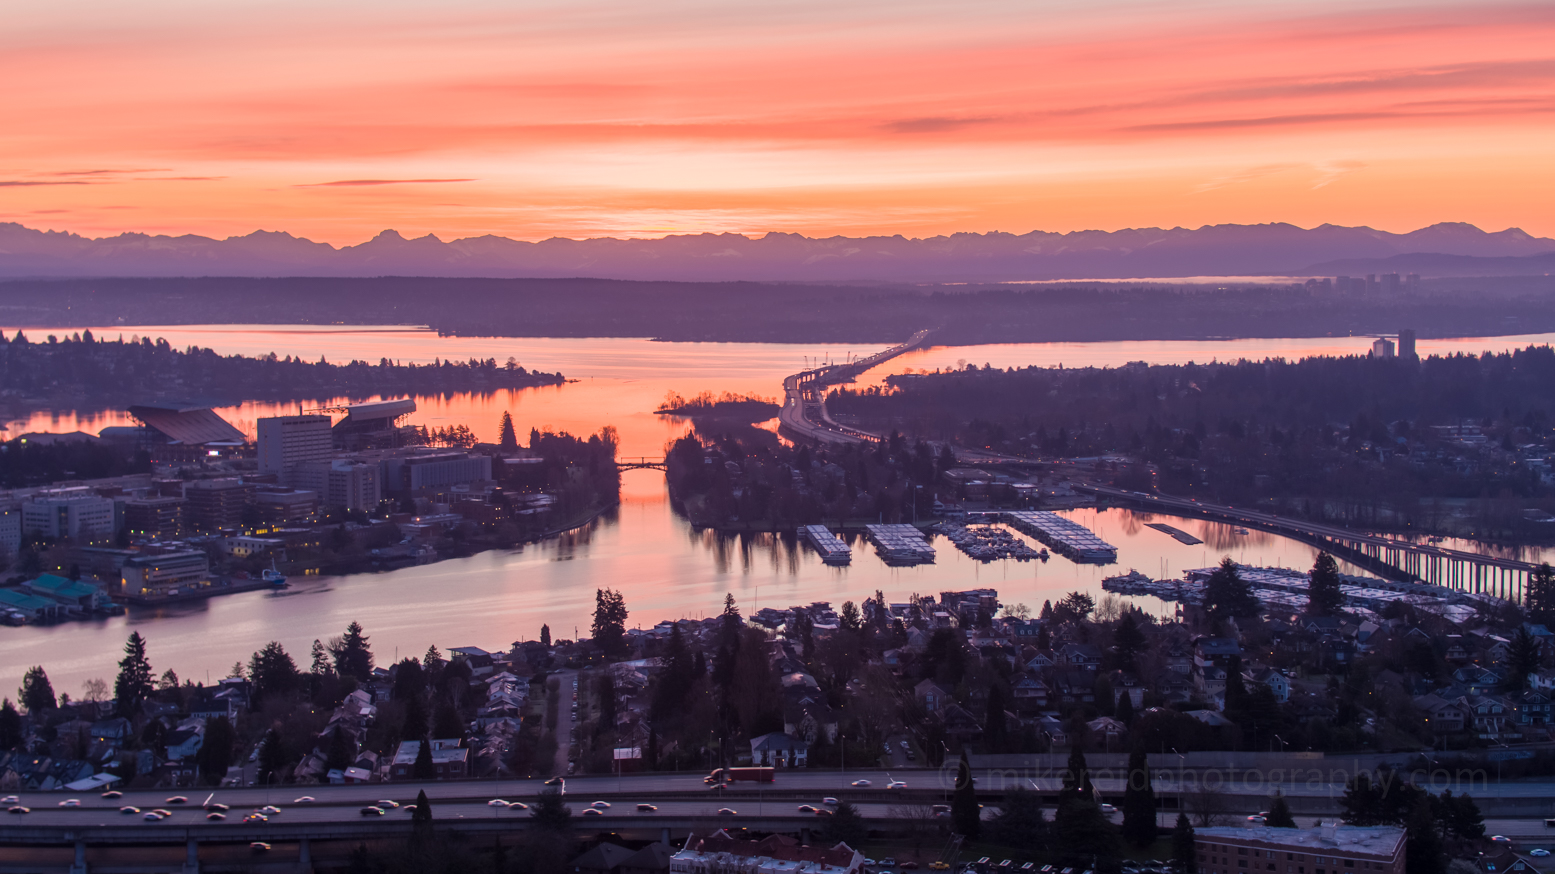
804	415
1397	559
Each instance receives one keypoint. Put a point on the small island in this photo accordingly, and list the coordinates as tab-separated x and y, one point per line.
728	406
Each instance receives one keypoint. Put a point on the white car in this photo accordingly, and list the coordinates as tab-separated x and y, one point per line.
896	784
830	801
496	802
1107	808
70	802
11	799
861	783
602	805
1500	839
1539	852
306	799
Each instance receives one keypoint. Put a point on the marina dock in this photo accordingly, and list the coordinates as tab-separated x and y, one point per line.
1069	539
900	543
1177	534
829	545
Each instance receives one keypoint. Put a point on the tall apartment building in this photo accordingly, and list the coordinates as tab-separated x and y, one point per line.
154	516
217	503
287	441
1327	849
1382	347
78	514
1406	345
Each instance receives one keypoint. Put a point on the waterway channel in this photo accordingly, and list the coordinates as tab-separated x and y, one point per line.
663	568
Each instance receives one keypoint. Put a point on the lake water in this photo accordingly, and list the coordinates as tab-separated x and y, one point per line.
663	568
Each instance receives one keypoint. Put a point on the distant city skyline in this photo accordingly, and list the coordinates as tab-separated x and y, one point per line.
609	119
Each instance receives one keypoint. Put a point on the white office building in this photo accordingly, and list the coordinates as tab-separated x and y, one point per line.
287	441
79	514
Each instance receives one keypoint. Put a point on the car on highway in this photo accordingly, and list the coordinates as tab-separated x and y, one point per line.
19	810
70	802
1256	819
1107	808
176	799
269	810
259	847
496	802
645	807
129	810
889	861
806	808
387	804
593	811
821	811
218	807
1500	839
162	811
371	811
256	817
602	805
517	805
112	793
829	801
728	811
556	781
896	784
905	747
306	799
151	816
1538	852
11	799
214	816
860	783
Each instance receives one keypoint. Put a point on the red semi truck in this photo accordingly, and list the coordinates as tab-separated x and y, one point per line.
731	775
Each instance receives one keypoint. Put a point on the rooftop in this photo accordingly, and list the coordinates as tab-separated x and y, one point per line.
1378	840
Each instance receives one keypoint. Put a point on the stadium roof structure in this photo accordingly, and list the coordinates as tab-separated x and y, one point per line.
188	425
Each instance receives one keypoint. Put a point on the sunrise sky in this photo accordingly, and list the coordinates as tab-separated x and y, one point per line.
586	118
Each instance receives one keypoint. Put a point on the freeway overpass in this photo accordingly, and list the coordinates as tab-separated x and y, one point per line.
804	413
105	840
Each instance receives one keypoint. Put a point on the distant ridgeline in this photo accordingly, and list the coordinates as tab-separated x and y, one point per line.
82	369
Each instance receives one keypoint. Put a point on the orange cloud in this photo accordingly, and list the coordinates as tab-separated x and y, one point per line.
603	118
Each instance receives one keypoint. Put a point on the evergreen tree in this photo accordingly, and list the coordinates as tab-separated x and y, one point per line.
1539	595
37	694
423	768
1279	813
134	683
1459	816
550	813
1019	823
417	723
272	758
609	628
447	724
1124	712
545	636
1127	642
10	726
994	730
1082	833
215	754
342	750
1077	774
273	672
422	818
1422	846
606	689
409	680
1522	659
844	826
1227	595
507	438
965	816
1182	846
320	665
353	657
1139	801
1323	595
